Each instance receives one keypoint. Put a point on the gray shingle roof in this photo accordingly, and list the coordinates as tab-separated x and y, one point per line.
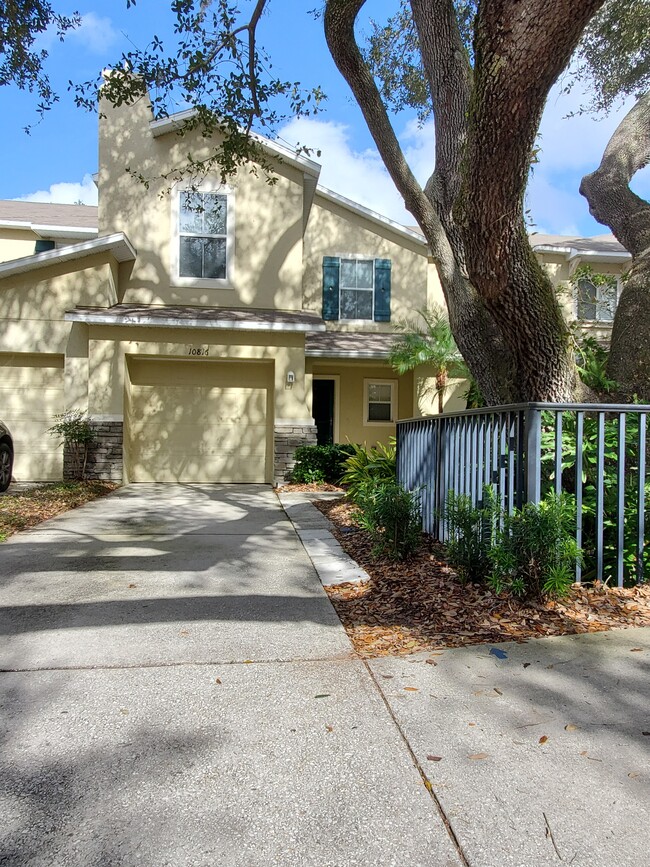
340	344
602	244
49	214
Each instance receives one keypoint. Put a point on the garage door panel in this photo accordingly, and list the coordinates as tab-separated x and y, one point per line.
197	422
201	406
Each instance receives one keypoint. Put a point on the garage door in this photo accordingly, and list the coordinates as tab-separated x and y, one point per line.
31	394
197	420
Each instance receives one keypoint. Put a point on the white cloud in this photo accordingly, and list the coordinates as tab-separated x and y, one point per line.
95	33
360	175
66	193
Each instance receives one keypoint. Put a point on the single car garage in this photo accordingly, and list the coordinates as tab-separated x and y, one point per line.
198	420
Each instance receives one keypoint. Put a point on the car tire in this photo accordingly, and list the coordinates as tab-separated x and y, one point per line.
6	465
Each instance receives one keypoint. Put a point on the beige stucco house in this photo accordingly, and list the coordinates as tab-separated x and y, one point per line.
208	334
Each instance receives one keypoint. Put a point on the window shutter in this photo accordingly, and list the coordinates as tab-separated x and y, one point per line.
382	290
331	269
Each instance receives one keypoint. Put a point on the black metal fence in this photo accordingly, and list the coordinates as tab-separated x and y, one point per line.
596	454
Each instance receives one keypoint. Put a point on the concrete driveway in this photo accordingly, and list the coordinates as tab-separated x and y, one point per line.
177	690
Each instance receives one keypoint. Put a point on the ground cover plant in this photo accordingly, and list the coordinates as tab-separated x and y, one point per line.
22	509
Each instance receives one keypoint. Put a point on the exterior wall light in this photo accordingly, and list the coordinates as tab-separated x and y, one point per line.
291	377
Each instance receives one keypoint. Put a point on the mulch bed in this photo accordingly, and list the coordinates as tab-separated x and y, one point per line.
24	507
421	605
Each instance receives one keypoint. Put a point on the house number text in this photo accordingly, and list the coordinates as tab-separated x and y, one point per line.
198	350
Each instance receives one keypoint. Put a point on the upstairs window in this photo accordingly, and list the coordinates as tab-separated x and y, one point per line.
355	289
596	303
203	229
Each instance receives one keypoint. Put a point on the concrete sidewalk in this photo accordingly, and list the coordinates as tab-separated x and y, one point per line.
177	690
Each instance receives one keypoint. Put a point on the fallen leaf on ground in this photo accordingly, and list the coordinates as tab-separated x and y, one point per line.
411	689
217	680
434	758
636	650
329	728
570	728
322	695
633	775
478	756
543	739
431	662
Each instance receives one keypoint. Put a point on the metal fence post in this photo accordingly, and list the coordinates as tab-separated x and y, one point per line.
532	468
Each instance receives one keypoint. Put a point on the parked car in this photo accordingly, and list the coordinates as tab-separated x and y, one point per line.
6	457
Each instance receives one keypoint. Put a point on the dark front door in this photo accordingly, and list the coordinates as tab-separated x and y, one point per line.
323	409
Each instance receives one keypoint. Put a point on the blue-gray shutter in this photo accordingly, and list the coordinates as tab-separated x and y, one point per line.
42	245
331	270
382	290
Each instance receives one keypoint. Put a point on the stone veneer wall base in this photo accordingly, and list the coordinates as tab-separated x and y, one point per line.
287	438
105	455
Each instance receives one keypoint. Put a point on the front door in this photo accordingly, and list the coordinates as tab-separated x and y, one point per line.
323	410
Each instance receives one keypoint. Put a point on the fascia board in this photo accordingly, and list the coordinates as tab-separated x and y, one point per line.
92	318
117	244
373	216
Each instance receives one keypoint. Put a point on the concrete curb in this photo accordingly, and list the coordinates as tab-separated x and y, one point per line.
313	529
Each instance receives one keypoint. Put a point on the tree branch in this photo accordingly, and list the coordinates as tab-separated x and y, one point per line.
449	75
611	201
340	17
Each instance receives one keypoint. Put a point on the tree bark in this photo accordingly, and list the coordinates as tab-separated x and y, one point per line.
520	49
612	202
476	334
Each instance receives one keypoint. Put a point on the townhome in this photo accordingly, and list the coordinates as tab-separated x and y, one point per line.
209	331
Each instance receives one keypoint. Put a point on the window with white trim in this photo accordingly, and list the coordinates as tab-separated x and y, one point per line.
202	235
379	401
596	302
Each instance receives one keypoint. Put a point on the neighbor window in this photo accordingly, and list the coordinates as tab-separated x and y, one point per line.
356	288
597	303
379	401
202	228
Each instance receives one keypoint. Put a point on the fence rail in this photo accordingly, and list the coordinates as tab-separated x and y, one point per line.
596	454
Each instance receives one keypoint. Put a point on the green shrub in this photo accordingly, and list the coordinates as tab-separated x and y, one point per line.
368	467
320	463
534	553
76	433
531	553
471	532
392	517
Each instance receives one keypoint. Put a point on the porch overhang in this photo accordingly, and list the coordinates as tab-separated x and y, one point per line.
340	344
174	316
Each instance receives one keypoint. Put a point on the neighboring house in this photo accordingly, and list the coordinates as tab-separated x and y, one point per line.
33	227
207	335
589	303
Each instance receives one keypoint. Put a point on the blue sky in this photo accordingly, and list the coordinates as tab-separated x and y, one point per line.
56	161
